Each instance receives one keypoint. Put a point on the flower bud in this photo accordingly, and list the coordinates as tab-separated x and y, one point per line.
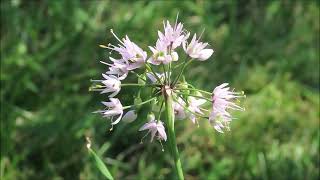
151	117
174	56
130	116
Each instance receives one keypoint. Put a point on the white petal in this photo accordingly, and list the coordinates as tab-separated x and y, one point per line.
218	128
108	104
149	125
118	119
111	112
205	54
115	93
153	133
162	133
106	91
151	77
105	76
175	56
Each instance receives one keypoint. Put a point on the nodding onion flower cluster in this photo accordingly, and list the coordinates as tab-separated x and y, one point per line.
157	72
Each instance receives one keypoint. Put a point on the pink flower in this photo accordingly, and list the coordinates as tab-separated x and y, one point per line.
222	101
194	106
118	68
178	108
155	128
196	49
161	54
130	52
112	84
114	109
173	36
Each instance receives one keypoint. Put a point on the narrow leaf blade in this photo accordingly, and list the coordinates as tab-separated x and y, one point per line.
100	165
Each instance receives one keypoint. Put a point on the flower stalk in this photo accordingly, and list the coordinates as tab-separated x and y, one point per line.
171	133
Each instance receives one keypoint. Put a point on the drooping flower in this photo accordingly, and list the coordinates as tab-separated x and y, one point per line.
119	68
179	111
196	49
222	101
112	84
156	128
194	107
130	52
114	109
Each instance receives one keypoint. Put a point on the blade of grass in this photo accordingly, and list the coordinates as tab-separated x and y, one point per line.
98	162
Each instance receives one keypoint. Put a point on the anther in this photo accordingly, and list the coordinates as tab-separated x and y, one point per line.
111	30
161	146
103	46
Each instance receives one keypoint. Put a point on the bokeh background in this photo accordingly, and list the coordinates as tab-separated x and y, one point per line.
49	52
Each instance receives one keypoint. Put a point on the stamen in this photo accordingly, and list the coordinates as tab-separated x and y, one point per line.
103	46
111	123
95	80
201	33
141	141
105	63
175	25
161	146
91	89
164	25
111	30
88	142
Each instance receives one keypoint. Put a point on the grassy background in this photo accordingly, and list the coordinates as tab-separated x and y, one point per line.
49	52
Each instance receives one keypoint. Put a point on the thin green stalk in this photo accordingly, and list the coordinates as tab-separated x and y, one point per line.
192	89
101	87
171	135
142	103
159	115
154	73
138	76
165	74
194	96
184	66
170	72
139	85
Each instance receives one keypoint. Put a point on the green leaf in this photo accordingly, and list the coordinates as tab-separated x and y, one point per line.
100	165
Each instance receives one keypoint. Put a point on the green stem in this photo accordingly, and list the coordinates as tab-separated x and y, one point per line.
169	73
142	103
141	85
210	100
184	66
171	135
138	76
154	73
101	87
165	74
192	89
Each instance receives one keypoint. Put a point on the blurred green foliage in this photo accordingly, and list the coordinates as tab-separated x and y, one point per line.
49	52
